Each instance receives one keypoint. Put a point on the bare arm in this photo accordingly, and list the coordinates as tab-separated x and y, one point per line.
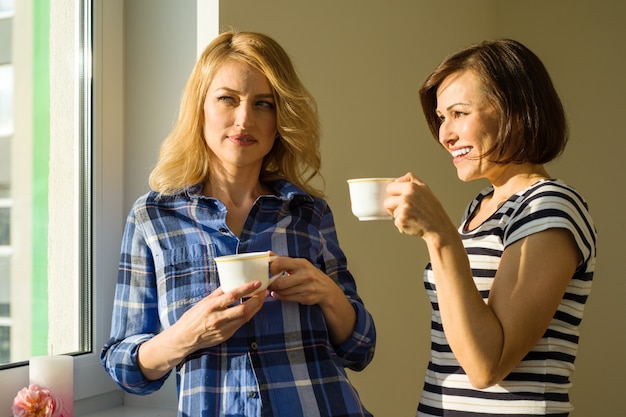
488	339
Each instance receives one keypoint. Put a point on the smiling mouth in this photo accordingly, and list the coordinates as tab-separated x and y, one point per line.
460	152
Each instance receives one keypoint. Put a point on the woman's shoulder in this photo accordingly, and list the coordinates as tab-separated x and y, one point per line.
289	191
154	200
552	204
298	199
554	190
152	197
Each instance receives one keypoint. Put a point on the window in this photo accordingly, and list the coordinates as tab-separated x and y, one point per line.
6	132
71	60
41	311
108	211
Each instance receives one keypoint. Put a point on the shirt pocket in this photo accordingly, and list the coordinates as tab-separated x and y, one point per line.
185	275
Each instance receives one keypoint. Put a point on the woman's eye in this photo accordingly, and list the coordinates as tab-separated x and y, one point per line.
457	114
265	104
441	118
227	99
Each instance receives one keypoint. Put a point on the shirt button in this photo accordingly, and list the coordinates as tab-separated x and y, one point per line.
254	346
223	230
251	394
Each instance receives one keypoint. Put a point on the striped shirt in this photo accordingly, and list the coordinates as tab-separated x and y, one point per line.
539	384
280	363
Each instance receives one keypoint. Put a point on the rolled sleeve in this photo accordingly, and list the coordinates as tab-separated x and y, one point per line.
121	363
358	351
135	315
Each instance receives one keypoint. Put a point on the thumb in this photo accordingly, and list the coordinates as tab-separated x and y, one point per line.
408	177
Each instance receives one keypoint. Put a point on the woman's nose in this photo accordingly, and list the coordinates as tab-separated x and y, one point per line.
446	133
244	116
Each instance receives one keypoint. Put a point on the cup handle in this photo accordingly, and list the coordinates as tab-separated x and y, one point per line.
281	274
272	278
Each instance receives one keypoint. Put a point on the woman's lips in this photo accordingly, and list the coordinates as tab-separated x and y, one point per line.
242	140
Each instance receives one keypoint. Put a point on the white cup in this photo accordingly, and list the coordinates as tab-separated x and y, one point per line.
242	268
367	196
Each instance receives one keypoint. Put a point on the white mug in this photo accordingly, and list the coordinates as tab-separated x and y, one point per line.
242	268
367	196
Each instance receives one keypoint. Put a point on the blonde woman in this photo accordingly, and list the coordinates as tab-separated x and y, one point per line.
234	176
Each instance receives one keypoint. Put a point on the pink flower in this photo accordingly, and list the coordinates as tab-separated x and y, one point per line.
36	401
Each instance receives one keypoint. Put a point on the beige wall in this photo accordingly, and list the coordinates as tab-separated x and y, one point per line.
364	61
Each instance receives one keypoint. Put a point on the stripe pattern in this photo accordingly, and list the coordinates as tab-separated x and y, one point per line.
539	385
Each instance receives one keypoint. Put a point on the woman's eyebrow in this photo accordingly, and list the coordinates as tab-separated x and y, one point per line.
234	91
457	104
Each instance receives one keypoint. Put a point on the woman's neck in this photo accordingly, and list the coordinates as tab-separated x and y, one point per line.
516	178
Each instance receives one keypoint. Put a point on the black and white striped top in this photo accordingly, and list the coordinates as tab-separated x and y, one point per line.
539	384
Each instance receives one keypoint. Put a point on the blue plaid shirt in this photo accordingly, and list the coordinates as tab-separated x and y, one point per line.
280	363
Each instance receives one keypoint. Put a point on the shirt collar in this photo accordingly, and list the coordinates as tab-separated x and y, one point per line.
283	188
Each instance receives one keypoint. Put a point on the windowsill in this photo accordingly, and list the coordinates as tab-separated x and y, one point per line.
133	411
117	404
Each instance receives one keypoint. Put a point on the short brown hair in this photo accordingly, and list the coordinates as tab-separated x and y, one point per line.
533	127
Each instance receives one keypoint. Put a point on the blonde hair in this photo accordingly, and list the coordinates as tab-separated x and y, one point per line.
295	156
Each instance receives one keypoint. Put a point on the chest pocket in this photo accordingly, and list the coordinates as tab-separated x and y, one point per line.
185	275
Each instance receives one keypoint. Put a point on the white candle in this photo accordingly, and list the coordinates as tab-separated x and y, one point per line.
56	373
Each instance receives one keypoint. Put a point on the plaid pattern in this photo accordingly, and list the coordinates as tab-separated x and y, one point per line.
281	363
